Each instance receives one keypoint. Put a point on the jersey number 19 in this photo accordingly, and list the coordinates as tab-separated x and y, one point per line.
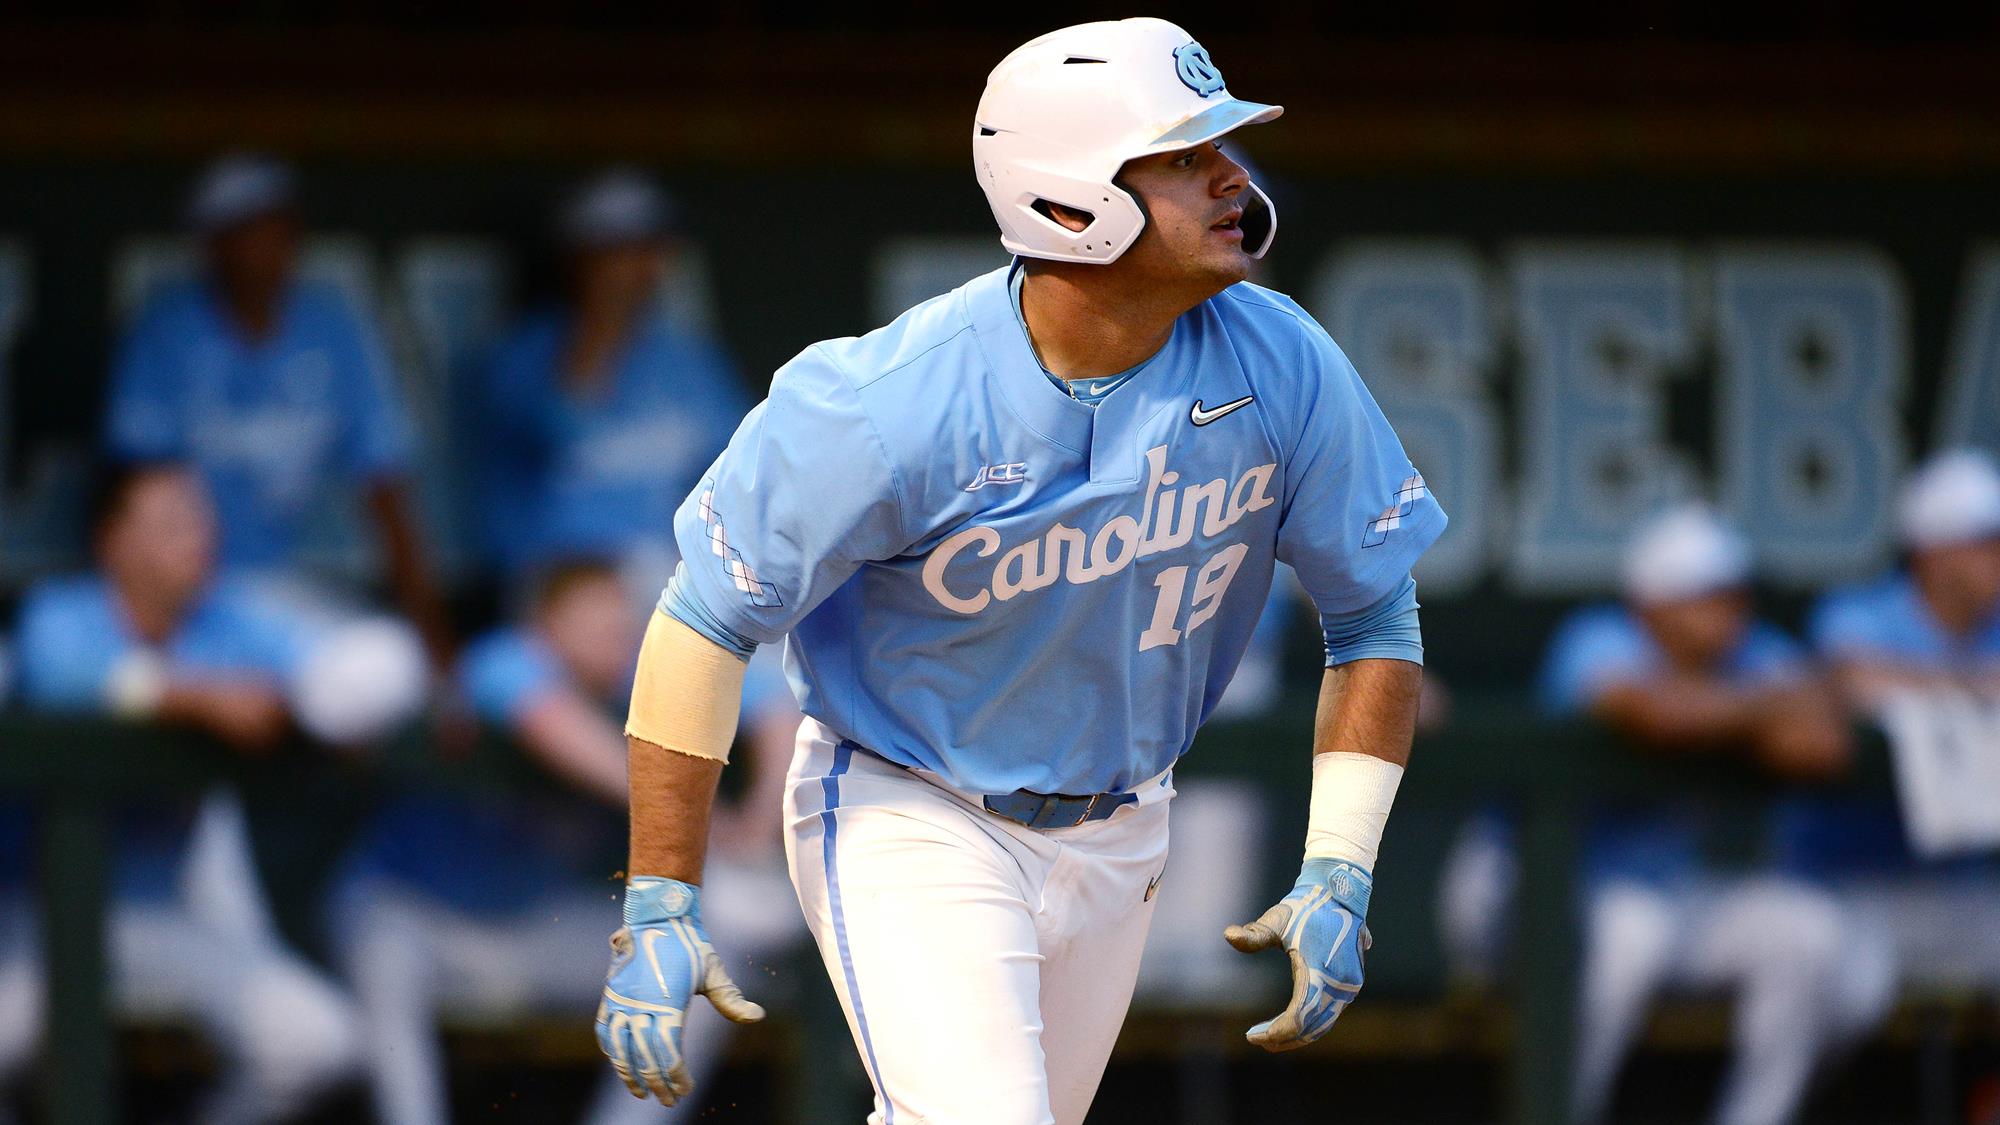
1209	586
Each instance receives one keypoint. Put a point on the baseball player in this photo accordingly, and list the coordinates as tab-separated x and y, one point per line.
278	390
1932	626
155	636
1018	540
1685	667
598	413
479	903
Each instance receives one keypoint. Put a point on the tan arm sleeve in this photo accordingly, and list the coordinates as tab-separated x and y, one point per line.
687	691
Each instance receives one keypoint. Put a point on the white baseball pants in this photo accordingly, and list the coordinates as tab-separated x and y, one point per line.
1806	980
985	967
209	955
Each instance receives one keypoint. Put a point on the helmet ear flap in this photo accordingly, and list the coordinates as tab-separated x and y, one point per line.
1259	223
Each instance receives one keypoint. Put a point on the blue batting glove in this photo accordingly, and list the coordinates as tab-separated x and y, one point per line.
1320	926
660	959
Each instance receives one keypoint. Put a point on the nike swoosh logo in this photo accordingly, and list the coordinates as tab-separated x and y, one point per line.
652	937
1346	924
1201	417
1152	885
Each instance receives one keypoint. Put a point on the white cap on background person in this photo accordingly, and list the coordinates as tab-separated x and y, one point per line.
615	208
1684	552
238	188
1953	497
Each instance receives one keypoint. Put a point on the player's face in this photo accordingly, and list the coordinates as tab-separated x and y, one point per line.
590	627
1699	633
620	278
1193	199
1969	571
255	257
161	541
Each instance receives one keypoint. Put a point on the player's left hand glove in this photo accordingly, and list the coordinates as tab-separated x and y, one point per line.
1320	926
660	959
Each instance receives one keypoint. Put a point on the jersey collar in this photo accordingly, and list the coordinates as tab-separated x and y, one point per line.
989	308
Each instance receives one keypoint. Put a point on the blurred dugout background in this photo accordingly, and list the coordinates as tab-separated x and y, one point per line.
1594	263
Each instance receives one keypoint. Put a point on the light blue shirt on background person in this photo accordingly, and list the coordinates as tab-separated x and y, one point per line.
573	472
1600	647
965	557
491	855
1885	621
74	635
1950	500
271	423
499	855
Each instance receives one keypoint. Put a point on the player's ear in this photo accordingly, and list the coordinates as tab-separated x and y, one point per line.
1069	217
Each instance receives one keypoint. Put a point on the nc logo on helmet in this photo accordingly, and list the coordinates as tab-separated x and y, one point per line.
1196	71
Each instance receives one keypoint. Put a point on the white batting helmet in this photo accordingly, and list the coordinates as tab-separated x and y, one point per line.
1064	112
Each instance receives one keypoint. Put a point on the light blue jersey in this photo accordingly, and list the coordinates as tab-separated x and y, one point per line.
1887	622
1601	647
503	854
571	472
497	855
984	577
74	634
271	424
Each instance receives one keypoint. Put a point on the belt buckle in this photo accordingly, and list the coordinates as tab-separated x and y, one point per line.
1088	807
1048	807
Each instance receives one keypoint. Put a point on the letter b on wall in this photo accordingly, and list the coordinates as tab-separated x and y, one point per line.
1813	356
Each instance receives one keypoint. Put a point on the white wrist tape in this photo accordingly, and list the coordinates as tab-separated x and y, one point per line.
1350	805
687	691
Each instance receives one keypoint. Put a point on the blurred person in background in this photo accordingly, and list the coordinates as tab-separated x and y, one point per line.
154	636
1934	622
493	907
596	416
275	388
1919	638
1684	668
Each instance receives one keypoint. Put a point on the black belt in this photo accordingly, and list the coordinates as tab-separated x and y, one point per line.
1056	810
1041	810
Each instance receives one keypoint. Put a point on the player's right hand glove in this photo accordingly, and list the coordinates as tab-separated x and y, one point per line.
1320	926
660	959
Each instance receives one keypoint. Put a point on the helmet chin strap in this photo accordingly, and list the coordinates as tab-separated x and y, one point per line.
1259	223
